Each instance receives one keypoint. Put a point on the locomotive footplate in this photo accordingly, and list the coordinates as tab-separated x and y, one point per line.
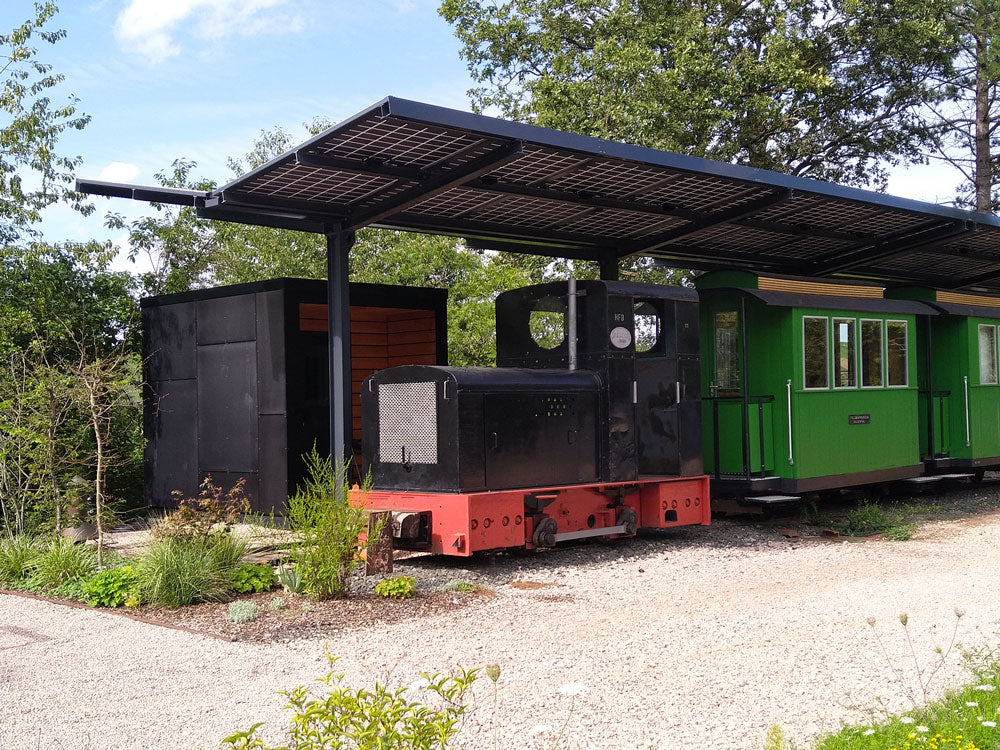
460	524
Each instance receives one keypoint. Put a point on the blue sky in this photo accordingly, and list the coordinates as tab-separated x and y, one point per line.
200	79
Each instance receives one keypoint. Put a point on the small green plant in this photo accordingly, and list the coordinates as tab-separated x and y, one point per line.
253	578
112	588
871	518
327	524
277	604
177	570
242	612
291	580
380	718
17	557
213	511
397	587
456	585
61	561
71	589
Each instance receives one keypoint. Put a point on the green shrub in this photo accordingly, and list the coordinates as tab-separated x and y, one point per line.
328	527
17	557
382	718
870	518
291	580
62	560
276	604
175	570
112	588
251	578
242	612
397	587
71	589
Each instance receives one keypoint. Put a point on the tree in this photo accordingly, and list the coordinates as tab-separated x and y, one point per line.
969	117
831	89
28	140
52	298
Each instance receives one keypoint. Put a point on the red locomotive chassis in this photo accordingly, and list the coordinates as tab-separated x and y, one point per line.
461	524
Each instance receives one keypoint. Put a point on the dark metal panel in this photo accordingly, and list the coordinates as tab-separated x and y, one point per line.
657	431
273	462
227	319
227	407
169	341
540	439
690	416
271	352
172	440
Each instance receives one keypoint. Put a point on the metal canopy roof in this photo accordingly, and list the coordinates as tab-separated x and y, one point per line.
405	165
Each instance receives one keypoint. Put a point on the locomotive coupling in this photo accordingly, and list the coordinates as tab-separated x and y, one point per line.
628	518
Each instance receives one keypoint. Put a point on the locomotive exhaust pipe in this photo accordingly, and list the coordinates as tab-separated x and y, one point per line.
571	323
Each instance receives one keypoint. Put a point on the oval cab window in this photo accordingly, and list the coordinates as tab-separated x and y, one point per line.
647	326
547	322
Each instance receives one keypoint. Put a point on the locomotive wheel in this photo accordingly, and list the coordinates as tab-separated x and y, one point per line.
545	533
629	519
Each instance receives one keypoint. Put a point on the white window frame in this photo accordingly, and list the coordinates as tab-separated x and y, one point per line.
885	356
834	354
861	352
826	358
996	368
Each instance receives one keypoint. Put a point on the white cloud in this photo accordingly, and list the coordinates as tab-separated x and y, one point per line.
150	27
119	171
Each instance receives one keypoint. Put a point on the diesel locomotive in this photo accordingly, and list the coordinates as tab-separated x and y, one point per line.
608	396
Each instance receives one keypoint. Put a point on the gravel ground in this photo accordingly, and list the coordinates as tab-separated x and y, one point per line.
692	637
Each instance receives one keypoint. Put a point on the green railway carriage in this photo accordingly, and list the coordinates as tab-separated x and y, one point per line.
807	384
959	380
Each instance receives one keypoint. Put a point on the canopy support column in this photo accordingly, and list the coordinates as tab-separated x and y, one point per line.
338	294
609	266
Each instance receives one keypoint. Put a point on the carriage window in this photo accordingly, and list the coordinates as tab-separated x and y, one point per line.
844	354
547	322
814	346
727	351
987	355
895	344
871	353
647	326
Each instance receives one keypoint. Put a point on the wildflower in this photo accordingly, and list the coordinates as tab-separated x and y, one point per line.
959	613
922	728
493	672
971	704
573	688
985	688
906	720
903	618
989	723
868	733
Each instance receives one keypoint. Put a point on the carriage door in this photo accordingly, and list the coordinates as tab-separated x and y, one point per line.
725	397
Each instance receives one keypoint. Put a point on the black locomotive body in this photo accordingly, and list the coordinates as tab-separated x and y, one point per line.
596	389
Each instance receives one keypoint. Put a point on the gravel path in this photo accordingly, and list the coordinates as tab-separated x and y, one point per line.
694	637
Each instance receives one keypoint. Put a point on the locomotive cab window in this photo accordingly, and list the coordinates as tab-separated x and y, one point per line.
648	326
814	352
547	322
987	355
871	353
896	360
845	372
727	353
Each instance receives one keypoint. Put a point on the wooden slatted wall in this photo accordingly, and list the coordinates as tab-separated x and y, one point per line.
381	337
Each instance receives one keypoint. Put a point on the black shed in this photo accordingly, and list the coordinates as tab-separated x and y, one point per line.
238	379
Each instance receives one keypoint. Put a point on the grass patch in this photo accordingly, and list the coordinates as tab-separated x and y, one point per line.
17	558
176	571
62	561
